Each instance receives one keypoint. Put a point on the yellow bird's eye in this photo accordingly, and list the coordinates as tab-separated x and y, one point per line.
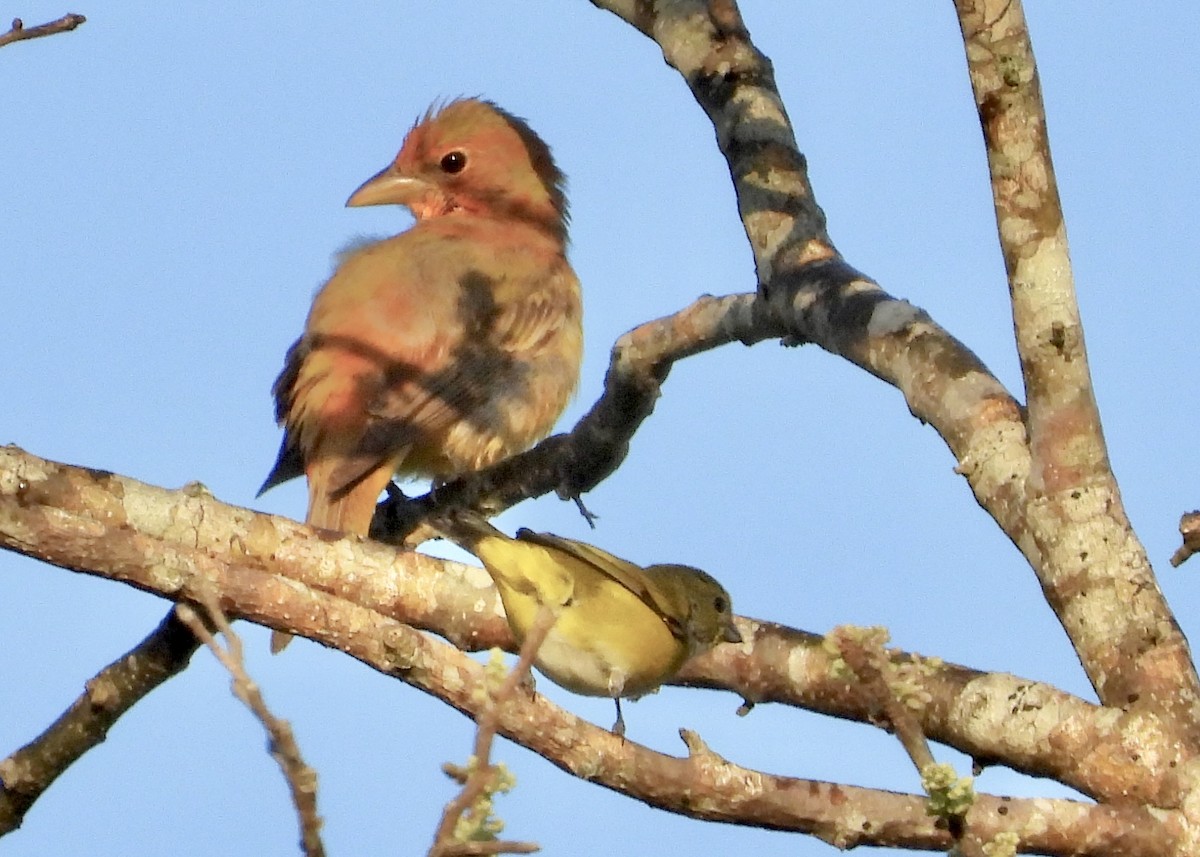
720	604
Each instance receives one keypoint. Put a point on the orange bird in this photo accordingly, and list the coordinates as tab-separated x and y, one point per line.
447	347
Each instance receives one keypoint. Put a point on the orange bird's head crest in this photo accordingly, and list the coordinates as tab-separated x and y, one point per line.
471	155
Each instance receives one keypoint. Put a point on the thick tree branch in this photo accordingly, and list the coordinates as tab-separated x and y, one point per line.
807	292
707	787
815	296
19	32
27	773
995	718
279	573
1094	571
699	785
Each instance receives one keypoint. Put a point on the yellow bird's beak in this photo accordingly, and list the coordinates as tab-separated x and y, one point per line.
731	634
389	187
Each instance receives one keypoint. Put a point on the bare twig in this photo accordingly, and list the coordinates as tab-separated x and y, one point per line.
862	651
1189	528
19	32
301	779
481	776
27	773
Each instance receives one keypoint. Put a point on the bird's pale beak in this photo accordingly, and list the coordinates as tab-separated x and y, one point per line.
731	634
388	187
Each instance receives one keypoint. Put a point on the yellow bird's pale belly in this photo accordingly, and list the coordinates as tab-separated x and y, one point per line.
582	672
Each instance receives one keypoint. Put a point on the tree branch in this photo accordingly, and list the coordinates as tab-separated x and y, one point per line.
699	786
816	297
27	773
862	651
19	32
1105	595
282	574
995	718
807	292
572	464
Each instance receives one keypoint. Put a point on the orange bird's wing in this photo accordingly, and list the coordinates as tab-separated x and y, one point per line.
499	382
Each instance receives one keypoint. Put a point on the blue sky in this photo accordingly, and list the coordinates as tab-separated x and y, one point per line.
174	181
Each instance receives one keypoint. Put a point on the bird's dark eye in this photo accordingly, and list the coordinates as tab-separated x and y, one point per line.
453	162
720	604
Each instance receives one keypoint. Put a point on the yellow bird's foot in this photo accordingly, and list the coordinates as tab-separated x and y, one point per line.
618	728
528	683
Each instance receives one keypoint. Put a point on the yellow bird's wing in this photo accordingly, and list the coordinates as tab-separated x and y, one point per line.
624	572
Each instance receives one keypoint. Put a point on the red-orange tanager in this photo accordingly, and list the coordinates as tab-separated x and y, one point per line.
449	346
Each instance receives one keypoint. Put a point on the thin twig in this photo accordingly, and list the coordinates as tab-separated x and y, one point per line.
28	772
20	32
301	779
865	656
482	773
863	652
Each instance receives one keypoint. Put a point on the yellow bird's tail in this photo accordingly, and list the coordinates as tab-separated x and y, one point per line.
466	528
527	572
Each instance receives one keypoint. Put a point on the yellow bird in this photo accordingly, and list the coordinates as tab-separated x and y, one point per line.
620	630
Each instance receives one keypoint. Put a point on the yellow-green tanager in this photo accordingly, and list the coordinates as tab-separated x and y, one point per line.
620	630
